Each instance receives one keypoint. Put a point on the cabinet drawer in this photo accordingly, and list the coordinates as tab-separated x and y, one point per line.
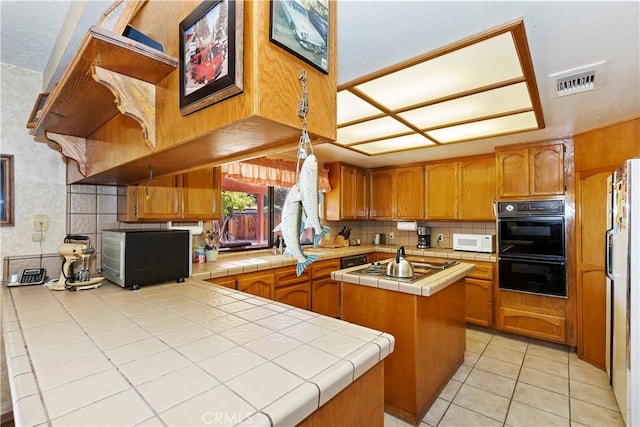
482	271
228	282
536	325
321	269
287	276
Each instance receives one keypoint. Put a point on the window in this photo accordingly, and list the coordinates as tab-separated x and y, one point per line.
250	213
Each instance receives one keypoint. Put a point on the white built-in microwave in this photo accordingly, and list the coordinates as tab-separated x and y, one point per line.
474	242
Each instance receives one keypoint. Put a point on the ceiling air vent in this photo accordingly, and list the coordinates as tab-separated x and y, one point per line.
578	80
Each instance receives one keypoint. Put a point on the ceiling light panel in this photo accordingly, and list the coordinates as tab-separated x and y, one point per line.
485	128
484	104
351	108
399	143
372	129
485	63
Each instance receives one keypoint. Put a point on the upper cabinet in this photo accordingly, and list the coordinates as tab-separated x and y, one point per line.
534	170
348	196
441	188
477	188
194	196
144	129
396	193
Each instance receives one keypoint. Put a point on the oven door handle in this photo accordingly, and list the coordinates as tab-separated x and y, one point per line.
608	244
534	261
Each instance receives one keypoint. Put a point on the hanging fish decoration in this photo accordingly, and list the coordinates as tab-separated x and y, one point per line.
311	197
291	227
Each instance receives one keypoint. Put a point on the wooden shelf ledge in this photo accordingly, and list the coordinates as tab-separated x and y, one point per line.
83	100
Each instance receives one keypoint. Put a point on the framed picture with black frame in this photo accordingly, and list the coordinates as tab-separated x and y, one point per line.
302	28
211	54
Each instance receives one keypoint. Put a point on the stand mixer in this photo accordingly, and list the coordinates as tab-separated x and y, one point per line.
74	252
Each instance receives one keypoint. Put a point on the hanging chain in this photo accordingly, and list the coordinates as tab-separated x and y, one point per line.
303	109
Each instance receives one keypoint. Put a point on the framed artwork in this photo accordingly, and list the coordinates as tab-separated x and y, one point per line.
6	190
302	28
211	54
36	113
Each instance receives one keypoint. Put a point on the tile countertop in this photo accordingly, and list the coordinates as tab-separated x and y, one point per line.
244	262
425	287
175	354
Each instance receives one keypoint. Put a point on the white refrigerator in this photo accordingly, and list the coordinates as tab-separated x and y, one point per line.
623	299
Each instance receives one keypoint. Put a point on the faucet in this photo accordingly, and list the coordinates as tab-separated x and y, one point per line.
280	245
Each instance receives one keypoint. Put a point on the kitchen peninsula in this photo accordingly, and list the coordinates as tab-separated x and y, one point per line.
186	354
427	319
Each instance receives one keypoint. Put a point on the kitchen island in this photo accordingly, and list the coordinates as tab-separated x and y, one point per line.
186	354
427	319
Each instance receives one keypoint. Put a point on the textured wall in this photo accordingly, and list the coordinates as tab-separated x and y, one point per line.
39	171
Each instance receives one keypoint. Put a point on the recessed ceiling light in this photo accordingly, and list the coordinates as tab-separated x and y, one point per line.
479	87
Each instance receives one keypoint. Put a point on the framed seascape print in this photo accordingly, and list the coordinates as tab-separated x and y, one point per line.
6	190
37	110
211	61
302	28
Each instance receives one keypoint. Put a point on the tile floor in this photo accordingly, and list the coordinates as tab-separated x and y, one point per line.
515	381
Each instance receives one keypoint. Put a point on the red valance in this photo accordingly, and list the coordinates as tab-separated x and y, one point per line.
272	172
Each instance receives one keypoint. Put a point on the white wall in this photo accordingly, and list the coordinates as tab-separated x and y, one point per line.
39	170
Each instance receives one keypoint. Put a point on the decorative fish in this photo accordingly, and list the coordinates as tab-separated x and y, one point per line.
311	197
291	226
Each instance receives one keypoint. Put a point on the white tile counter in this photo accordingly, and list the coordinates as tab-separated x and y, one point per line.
175	354
425	287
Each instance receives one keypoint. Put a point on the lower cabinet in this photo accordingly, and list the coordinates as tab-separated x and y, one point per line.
260	284
325	292
535	316
479	294
291	289
227	281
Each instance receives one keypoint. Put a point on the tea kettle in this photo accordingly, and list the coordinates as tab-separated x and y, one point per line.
400	267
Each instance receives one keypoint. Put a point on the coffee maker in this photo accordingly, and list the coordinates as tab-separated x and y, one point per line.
424	237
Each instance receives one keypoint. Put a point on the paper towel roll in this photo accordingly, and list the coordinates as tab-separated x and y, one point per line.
407	225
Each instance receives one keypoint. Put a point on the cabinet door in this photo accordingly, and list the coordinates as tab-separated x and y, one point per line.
199	193
227	282
161	199
296	295
513	172
546	168
259	284
381	194
477	189
360	195
479	301
441	188
410	193
348	192
325	297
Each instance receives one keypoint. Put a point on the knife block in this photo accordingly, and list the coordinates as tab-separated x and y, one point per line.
341	241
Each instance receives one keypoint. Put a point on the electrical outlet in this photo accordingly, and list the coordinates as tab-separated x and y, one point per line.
40	223
391	235
440	237
36	237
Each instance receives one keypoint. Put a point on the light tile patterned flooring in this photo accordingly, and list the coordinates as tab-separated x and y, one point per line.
509	380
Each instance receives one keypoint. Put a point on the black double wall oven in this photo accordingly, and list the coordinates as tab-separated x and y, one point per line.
532	247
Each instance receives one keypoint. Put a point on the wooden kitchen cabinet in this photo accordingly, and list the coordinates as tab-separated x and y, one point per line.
348	196
441	190
396	193
194	195
381	201
532	170
325	292
477	188
227	281
291	289
260	283
479	294
536	316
